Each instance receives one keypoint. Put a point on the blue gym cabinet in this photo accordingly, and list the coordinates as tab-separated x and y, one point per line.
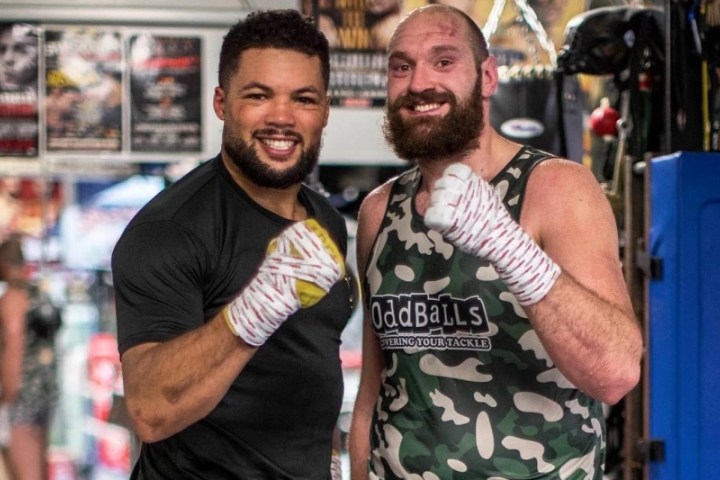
683	316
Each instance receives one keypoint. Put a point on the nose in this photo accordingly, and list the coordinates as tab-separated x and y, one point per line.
422	79
280	113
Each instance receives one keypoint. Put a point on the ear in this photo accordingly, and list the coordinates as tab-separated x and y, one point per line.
328	98
489	74
219	103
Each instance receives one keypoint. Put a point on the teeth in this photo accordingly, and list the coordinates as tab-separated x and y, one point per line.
279	144
426	107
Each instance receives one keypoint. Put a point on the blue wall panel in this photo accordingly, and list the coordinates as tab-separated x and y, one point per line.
684	315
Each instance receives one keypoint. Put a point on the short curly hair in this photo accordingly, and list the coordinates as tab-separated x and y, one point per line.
284	29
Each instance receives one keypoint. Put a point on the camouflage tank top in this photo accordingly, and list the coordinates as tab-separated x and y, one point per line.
468	391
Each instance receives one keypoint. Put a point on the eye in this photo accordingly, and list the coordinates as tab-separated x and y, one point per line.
256	96
306	100
400	68
444	63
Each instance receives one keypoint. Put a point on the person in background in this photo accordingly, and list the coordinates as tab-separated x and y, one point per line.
497	318
467	6
18	57
381	17
28	368
10	205
230	284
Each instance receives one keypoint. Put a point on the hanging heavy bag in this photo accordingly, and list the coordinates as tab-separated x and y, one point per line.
524	109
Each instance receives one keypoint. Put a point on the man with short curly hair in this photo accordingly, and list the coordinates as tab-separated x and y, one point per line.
229	297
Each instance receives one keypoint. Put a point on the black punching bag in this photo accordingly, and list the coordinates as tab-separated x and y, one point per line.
524	109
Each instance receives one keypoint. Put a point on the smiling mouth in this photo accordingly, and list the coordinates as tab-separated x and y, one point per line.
278	144
425	107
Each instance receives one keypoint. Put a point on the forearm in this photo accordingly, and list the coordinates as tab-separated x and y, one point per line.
588	329
11	378
359	437
596	345
172	385
12	358
359	444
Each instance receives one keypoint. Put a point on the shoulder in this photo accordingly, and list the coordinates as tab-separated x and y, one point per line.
199	188
370	217
561	194
558	179
374	204
156	246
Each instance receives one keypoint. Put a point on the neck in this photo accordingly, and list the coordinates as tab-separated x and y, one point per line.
491	155
282	202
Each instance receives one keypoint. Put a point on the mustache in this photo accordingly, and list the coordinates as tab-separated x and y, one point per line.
279	132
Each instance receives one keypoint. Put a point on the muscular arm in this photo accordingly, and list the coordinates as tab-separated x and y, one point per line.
369	220
169	386
585	322
173	384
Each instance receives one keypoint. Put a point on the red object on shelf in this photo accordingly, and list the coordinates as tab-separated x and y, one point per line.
604	119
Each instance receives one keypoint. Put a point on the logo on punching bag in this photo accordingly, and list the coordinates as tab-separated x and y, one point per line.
522	128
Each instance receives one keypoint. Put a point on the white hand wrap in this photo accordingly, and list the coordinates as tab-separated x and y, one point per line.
466	210
299	256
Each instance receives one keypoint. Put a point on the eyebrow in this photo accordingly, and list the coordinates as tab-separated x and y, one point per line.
265	88
436	50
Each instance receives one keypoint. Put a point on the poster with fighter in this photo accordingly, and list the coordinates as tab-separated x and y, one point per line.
165	93
357	31
19	47
83	86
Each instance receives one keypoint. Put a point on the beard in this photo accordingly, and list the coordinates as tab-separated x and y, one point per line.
244	156
435	138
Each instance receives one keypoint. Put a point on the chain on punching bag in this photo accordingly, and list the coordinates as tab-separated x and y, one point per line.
524	108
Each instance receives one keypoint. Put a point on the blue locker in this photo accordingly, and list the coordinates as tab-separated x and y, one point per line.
684	315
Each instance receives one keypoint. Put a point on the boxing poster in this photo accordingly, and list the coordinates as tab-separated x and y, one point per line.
83	89
165	93
358	32
19	47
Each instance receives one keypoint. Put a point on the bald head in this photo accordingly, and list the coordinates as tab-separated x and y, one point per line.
472	33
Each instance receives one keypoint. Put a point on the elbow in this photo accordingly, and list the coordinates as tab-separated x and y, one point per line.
620	384
149	428
148	432
624	372
621	387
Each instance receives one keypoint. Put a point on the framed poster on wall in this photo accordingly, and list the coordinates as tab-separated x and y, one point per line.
19	52
165	93
358	32
83	89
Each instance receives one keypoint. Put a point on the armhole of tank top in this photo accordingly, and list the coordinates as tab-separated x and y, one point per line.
395	185
526	180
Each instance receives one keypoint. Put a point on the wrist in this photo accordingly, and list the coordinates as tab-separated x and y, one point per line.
254	315
524	267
